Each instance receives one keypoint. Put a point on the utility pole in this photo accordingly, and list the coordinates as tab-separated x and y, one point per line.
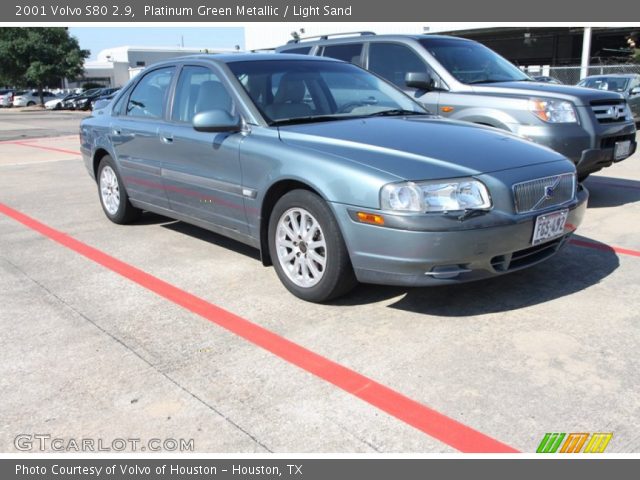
586	53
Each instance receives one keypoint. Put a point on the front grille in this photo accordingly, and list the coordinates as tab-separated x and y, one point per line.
544	192
609	111
610	142
527	256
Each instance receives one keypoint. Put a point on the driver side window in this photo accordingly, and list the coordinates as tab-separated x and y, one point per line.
393	61
199	90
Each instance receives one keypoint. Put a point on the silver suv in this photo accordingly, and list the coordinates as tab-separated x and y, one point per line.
464	80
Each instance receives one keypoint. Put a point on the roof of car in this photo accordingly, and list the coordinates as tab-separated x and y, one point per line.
252	57
363	38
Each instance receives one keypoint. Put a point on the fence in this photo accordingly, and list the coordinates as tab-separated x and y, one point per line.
571	75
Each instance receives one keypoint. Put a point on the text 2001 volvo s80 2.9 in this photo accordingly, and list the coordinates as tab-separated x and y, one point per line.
333	173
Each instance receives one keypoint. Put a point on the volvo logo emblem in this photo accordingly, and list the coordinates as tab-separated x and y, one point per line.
548	192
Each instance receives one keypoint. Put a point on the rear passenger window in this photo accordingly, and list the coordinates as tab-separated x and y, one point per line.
150	94
393	61
299	51
349	52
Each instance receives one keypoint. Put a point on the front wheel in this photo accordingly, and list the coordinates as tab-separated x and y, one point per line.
113	196
307	248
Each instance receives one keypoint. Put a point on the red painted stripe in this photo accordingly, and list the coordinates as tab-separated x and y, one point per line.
53	149
39	139
425	419
604	247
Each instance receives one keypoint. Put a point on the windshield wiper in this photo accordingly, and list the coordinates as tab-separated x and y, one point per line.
395	112
311	119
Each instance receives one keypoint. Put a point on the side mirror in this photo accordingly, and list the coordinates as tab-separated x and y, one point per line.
419	80
634	91
217	121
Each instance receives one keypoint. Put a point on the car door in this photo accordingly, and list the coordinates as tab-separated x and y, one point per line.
134	134
201	170
393	61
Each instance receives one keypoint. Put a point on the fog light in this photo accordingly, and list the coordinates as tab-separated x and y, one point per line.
447	271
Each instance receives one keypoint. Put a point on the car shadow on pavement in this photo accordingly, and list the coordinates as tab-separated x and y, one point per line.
149	218
611	192
573	269
214	238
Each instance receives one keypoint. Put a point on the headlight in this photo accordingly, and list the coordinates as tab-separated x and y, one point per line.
553	111
436	196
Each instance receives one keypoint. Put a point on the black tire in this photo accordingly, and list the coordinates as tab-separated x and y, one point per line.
337	278
30	104
125	213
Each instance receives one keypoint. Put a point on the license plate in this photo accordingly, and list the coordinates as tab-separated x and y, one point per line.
549	226
621	150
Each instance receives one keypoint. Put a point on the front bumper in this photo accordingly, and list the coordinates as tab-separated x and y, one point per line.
588	145
392	256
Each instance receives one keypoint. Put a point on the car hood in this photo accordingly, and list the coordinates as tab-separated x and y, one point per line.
419	147
578	95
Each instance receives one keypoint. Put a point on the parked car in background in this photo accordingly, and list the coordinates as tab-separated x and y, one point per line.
69	103
29	98
83	101
547	79
628	84
103	100
57	103
464	80
6	98
333	173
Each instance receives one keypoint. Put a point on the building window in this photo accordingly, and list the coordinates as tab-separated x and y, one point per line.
140	64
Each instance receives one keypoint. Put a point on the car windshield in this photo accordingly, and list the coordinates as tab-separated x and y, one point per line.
472	62
612	84
304	91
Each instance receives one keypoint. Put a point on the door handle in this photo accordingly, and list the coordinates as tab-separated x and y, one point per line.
166	137
116	131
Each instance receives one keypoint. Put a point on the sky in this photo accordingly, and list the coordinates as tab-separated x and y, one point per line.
100	38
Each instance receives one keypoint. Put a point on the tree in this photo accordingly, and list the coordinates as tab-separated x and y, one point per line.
39	56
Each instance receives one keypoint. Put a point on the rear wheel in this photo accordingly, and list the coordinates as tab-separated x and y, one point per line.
307	248
113	196
30	104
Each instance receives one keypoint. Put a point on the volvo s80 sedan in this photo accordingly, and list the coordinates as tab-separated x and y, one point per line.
335	175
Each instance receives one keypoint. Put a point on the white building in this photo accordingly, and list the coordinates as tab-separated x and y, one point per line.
115	66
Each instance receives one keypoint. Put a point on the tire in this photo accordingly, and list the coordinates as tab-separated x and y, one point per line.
113	196
30	104
300	271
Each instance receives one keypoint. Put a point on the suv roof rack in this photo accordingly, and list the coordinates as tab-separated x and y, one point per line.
326	36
